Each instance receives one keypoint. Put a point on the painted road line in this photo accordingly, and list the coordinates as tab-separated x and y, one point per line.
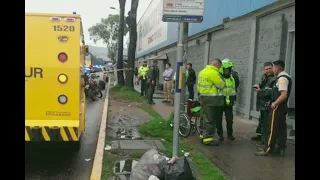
98	157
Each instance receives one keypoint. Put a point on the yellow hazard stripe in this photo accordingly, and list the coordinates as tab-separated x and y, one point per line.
73	134
26	134
46	133
64	134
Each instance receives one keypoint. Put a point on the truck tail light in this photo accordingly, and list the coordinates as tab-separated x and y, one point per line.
63	57
62	99
62	78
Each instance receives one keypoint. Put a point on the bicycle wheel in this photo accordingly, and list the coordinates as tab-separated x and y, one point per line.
198	125
185	126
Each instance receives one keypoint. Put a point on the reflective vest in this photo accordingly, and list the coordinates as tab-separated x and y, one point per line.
210	82
229	89
143	71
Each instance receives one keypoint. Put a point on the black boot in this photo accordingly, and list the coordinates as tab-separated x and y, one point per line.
231	137
280	151
256	138
221	138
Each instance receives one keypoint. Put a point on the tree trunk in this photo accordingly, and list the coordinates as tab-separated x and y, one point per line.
120	45
132	23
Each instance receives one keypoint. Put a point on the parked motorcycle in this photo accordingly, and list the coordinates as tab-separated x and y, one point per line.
92	89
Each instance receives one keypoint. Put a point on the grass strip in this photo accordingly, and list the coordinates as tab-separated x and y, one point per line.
125	93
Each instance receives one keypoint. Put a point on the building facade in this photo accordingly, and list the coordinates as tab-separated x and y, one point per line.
258	31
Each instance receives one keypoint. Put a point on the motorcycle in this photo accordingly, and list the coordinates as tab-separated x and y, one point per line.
92	89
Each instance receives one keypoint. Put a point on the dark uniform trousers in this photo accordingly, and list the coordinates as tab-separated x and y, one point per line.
150	92
191	91
262	128
210	115
143	86
277	128
228	111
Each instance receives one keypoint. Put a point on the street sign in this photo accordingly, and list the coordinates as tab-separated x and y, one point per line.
183	11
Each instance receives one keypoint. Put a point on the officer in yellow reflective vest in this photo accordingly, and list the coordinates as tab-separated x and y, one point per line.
230	97
142	74
210	85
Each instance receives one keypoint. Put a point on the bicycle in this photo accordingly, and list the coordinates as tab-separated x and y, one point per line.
190	119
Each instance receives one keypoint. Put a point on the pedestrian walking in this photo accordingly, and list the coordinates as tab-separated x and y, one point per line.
210	85
263	89
142	74
167	84
152	81
277	118
229	91
190	80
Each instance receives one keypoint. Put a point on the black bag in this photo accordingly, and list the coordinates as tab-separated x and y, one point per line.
180	170
102	85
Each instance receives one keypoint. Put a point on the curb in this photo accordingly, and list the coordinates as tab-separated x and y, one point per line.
98	157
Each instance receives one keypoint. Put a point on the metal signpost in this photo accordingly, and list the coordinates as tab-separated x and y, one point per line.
184	12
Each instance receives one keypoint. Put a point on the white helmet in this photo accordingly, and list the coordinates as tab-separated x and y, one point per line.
225	60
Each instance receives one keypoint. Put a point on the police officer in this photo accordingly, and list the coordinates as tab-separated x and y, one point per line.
281	89
229	91
152	81
210	85
234	74
263	103
142	74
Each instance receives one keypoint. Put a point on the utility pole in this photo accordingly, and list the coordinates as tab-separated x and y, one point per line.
192	14
179	91
120	43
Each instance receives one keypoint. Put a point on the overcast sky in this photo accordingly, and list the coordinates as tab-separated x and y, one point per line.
91	11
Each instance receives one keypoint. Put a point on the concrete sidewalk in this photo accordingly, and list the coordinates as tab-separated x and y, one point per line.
237	160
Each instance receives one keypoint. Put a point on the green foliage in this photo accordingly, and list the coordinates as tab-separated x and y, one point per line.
107	30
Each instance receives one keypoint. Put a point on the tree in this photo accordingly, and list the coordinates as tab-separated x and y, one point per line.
107	30
120	44
131	21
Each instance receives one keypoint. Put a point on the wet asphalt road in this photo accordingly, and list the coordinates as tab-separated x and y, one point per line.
57	161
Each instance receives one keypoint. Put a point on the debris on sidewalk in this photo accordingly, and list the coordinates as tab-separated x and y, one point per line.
125	127
87	160
152	177
107	148
178	169
123	168
151	163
